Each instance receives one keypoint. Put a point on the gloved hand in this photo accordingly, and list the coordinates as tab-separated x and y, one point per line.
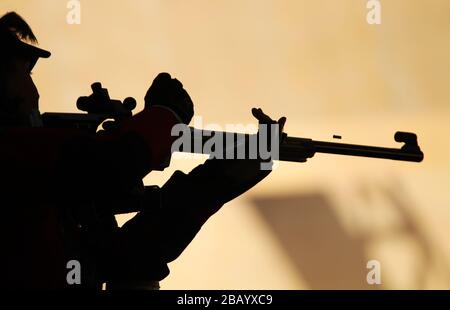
203	191
249	171
265	119
168	92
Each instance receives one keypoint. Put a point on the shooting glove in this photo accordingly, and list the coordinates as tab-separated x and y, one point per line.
168	92
207	187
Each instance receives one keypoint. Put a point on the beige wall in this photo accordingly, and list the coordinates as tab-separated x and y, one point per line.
319	63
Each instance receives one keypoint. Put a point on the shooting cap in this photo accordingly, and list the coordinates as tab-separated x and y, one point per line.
17	38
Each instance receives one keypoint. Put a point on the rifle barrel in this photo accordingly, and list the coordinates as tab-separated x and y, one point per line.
299	149
403	154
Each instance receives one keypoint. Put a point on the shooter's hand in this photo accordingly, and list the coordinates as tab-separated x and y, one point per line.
168	92
266	120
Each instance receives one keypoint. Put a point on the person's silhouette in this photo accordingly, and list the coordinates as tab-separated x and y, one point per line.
59	185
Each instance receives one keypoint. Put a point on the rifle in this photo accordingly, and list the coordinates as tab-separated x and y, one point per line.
100	108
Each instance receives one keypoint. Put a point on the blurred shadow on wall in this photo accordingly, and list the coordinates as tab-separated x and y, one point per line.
328	257
433	259
325	255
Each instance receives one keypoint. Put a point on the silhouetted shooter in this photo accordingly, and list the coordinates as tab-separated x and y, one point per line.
60	187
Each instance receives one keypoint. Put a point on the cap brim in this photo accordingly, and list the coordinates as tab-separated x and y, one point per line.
34	51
